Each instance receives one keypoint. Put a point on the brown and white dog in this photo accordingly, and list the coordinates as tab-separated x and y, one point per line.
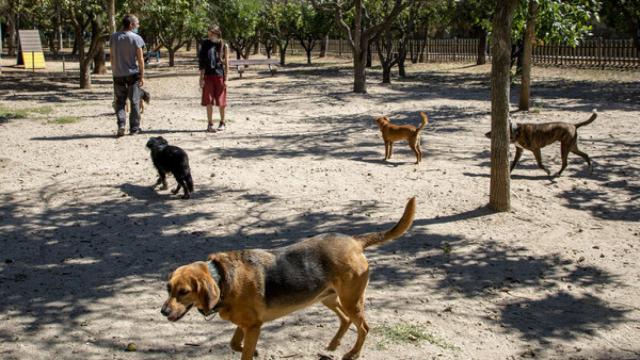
252	287
392	133
534	137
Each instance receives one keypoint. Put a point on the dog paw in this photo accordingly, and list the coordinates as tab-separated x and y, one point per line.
185	196
236	348
163	187
333	345
175	191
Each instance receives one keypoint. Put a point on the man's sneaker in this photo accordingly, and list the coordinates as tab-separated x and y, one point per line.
135	131
220	127
210	128
120	132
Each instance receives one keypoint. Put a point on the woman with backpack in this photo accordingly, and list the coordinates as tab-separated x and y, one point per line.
214	64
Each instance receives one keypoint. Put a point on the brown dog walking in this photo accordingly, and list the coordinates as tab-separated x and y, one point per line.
534	137
252	287
392	133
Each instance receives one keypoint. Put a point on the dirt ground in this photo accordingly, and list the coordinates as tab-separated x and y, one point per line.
86	244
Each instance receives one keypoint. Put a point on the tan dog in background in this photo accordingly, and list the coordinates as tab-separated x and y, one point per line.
392	133
252	287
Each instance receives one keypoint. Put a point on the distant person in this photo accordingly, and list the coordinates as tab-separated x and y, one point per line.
214	64
127	67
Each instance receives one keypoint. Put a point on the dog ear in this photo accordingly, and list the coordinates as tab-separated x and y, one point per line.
207	294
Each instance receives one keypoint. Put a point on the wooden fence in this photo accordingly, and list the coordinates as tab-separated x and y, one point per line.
591	53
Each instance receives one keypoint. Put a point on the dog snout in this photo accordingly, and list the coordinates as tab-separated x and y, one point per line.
166	311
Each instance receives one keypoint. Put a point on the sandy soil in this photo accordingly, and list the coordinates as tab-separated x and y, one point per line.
86	244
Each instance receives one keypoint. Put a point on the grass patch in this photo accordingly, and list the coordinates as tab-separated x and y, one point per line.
403	333
446	248
65	120
43	110
10	114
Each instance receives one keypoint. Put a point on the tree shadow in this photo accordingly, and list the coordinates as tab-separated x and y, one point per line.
560	316
107	244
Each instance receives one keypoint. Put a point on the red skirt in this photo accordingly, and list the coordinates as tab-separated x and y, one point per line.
214	91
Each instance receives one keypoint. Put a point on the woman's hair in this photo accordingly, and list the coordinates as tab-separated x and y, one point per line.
216	30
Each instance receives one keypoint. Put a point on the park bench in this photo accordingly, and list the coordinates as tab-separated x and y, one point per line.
241	64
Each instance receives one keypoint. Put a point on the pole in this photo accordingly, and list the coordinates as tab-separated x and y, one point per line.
33	61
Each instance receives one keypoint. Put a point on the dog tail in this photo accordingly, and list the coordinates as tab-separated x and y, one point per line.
398	230
425	120
593	117
189	181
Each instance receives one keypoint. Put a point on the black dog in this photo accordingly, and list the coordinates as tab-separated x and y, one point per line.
145	97
171	159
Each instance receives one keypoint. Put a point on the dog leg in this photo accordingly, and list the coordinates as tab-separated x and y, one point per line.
390	149
184	186
333	304
582	155
386	150
251	335
415	151
236	340
177	189
162	179
564	152
538	156
516	158
158	182
352	300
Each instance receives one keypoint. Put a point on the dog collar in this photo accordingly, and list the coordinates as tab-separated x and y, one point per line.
215	274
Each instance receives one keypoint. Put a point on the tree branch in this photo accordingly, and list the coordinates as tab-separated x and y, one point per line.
397	8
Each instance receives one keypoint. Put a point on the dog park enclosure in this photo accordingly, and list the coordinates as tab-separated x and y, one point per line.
590	53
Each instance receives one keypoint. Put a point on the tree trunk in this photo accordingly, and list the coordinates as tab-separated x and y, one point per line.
633	24
323	46
111	11
256	48
99	66
85	74
360	70
402	57
76	45
268	49
308	56
500	188
12	35
369	59
482	47
172	56
283	52
386	74
529	37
